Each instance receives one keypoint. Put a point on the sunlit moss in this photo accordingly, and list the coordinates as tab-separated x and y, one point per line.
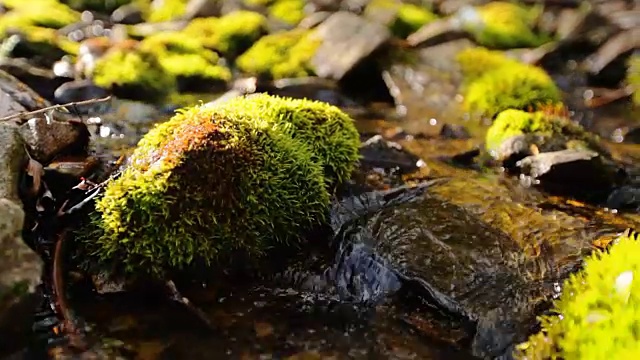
554	132
208	184
510	86
281	55
133	74
407	18
288	11
329	132
231	34
476	61
599	310
167	10
185	58
502	24
42	13
633	77
47	42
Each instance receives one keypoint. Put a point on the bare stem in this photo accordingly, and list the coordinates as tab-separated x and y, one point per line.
54	107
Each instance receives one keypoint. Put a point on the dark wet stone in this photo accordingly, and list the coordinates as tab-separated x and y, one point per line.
80	90
41	80
572	172
454	131
16	96
624	198
379	153
46	139
129	14
354	38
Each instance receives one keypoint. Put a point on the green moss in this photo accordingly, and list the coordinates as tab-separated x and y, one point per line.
231	34
290	12
633	77
329	132
185	58
599	308
45	14
563	131
167	11
502	24
102	6
409	19
204	186
281	55
476	61
511	86
133	74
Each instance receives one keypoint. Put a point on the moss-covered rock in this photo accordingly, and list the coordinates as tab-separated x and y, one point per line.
633	77
281	55
502	24
494	83
41	13
402	19
166	10
229	35
599	310
208	183
133	74
550	132
186	59
328	131
290	12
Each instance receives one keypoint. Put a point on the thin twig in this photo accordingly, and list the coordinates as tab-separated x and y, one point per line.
54	107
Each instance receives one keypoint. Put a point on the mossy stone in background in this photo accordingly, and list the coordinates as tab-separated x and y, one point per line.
290	12
281	55
599	310
493	83
102	6
207	184
329	132
229	35
503	25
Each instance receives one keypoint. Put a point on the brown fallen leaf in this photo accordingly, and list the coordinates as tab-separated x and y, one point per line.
36	171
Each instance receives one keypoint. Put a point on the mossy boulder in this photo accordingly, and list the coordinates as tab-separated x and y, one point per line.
290	12
165	10
133	74
329	132
598	310
41	13
229	35
281	55
633	77
209	184
186	59
402	19
503	25
547	131
494	83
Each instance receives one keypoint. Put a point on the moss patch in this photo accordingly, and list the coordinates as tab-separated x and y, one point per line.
504	25
599	308
102	6
281	55
229	35
290	12
633	77
328	131
42	13
167	11
494	83
205	185
510	123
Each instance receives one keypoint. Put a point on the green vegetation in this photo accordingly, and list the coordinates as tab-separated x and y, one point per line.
281	55
328	131
494	83
205	185
407	18
290	12
229	35
185	58
633	77
599	309
103	6
40	13
554	132
167	11
133	74
504	25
